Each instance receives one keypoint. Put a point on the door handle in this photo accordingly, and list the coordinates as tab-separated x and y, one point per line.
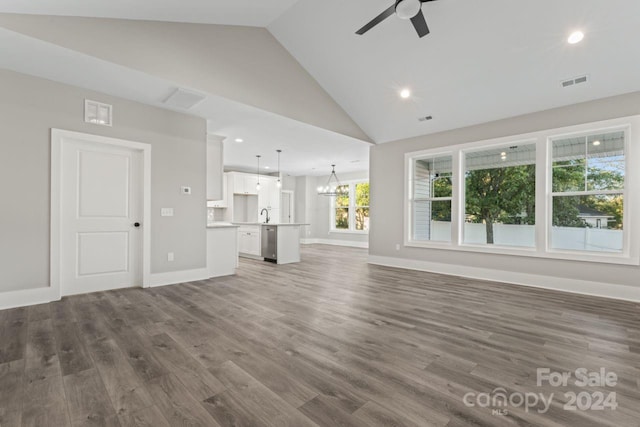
136	224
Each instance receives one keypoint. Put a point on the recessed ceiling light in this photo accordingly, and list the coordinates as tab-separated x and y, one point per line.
238	140
596	143
405	93
575	37
504	153
266	167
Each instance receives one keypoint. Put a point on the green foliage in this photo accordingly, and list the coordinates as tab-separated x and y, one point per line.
342	218
505	195
362	199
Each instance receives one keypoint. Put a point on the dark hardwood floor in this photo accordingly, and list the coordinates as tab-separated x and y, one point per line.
331	341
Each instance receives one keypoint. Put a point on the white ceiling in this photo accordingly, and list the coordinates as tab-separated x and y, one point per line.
307	150
257	13
484	59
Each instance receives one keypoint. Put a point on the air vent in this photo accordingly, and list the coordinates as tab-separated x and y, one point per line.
574	81
184	99
97	113
425	118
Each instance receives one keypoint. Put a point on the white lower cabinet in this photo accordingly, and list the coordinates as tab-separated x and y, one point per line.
249	241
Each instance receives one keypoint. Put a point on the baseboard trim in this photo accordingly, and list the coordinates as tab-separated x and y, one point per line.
27	297
582	287
176	277
348	243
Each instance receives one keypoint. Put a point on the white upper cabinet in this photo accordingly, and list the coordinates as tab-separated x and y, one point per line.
244	183
269	195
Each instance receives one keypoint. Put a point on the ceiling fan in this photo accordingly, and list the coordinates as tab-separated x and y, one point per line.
404	9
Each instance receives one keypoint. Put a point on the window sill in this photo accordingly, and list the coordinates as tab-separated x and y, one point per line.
348	232
605	258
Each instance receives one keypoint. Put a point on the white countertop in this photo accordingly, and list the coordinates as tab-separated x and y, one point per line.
221	225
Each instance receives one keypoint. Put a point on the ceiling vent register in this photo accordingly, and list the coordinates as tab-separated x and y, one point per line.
575	81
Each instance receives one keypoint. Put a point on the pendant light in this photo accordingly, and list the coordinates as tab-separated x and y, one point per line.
333	186
258	173
279	182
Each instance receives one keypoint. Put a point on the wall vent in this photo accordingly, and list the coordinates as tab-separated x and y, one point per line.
184	99
425	118
98	113
574	81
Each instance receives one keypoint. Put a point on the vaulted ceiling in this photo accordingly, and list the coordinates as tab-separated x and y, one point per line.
484	59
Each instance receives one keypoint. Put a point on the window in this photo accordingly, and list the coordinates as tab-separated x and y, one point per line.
500	196
362	206
431	200
342	208
350	209
561	193
588	180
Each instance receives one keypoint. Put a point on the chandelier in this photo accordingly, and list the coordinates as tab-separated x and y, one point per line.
333	186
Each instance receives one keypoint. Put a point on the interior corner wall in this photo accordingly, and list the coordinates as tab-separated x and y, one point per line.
387	197
29	108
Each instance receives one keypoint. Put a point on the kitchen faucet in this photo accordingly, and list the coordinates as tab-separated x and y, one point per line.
267	211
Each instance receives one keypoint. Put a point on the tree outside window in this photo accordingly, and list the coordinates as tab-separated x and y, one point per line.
342	208
351	207
500	189
362	206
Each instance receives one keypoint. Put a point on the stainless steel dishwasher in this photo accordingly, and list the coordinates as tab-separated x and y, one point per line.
270	243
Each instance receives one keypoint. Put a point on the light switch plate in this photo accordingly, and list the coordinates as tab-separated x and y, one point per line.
185	190
166	212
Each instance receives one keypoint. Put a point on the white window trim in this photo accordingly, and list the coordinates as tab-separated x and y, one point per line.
352	210
630	254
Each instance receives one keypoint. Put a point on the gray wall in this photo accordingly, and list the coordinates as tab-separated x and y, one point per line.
29	108
387	195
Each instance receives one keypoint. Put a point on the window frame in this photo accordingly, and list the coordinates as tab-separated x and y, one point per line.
435	154
543	140
352	209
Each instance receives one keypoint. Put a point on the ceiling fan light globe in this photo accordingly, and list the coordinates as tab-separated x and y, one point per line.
407	9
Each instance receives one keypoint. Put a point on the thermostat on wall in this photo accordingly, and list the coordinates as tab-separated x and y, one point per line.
185	190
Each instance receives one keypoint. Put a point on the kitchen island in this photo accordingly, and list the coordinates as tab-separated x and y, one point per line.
222	249
278	243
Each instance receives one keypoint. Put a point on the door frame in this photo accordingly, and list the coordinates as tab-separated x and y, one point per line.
58	137
292	204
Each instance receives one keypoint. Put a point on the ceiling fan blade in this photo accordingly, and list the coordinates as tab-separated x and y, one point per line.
420	24
378	19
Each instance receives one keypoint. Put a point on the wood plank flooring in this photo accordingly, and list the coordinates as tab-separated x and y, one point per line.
330	341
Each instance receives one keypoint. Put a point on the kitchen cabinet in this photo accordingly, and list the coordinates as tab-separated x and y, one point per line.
222	250
269	197
249	240
244	184
222	203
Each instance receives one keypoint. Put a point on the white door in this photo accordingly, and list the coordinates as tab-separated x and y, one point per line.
101	215
286	210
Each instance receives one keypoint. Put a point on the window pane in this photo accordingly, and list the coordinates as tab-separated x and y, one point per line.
342	218
500	196
342	199
362	219
432	220
587	163
432	177
362	194
588	223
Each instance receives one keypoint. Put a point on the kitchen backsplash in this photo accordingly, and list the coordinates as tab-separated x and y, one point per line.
215	215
